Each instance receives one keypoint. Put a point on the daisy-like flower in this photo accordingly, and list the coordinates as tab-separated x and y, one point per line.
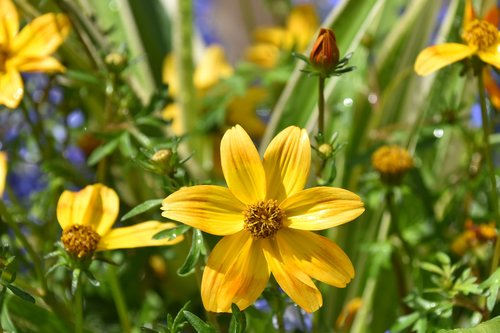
481	38
266	217
87	216
3	172
28	50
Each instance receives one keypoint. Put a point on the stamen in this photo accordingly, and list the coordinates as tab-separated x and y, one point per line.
263	219
481	33
80	240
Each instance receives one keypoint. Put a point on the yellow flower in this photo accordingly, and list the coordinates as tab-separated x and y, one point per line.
87	216
300	28
3	172
392	162
28	50
212	68
481	38
266	216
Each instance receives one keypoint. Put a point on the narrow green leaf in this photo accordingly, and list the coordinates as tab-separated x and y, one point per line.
490	326
199	325
404	322
180	319
238	320
102	151
126	147
141	208
197	246
172	233
21	293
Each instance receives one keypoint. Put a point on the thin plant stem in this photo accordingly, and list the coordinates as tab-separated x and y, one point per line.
37	130
121	306
489	161
78	298
321	105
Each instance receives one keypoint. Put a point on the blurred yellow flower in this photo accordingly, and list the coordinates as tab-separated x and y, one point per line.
87	216
349	312
3	172
473	236
266	216
481	38
392	162
28	50
300	28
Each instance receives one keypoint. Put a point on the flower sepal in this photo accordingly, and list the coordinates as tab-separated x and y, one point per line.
339	69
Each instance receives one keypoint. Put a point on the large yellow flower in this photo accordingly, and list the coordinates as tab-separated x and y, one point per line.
265	216
481	38
3	172
27	50
87	216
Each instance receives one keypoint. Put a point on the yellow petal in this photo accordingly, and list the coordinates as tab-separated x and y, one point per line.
41	37
139	235
301	25
46	64
271	35
95	205
321	259
212	209
321	208
286	162
65	206
469	13
236	272
438	56
11	87
242	166
265	55
291	278
9	22
491	57
3	172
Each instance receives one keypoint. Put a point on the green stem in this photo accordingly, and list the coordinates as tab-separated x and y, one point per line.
278	305
121	306
78	298
38	131
489	162
321	105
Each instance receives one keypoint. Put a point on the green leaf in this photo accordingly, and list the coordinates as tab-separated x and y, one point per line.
490	326
75	280
197	247
21	293
180	319
102	151
431	268
199	325
172	233
126	147
404	322
141	208
238	321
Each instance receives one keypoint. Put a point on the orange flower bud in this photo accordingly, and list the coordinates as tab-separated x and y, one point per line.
325	53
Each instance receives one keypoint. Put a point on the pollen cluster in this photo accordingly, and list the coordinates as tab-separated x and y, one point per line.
392	162
481	33
80	240
263	219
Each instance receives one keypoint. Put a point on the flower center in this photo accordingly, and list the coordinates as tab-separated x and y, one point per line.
263	219
481	34
80	240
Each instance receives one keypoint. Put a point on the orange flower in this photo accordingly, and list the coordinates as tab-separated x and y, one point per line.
28	50
266	217
481	38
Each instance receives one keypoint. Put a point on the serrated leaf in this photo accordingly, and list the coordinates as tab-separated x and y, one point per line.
490	326
21	293
172	233
102	151
199	325
431	268
197	247
141	208
238	320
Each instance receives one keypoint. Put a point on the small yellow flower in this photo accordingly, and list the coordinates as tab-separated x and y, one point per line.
481	38
265	216
349	312
3	172
87	216
392	162
300	28
473	236
28	50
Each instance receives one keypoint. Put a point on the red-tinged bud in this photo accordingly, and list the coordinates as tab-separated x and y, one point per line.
325	53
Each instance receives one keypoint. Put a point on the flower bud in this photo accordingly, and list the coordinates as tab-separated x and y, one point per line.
162	160
392	163
325	53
